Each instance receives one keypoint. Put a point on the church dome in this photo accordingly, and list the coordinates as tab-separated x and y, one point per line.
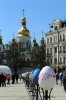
34	44
23	30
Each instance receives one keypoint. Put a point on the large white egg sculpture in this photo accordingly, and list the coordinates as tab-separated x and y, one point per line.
47	78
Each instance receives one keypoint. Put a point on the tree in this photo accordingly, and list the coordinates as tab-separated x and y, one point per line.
38	55
13	55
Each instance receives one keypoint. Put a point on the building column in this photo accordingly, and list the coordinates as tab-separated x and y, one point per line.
53	55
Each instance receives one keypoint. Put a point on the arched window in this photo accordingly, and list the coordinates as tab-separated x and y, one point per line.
60	37
63	37
47	50
56	27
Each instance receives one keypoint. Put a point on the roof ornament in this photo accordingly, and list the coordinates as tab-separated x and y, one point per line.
23	12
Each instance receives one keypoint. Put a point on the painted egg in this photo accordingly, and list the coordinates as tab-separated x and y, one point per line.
64	80
35	76
30	76
24	74
47	78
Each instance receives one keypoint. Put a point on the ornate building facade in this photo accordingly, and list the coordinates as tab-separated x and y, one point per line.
56	44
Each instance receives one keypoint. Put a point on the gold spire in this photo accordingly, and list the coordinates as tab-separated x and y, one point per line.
23	30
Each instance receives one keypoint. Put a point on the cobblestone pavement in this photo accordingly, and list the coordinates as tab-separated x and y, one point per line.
19	92
57	93
14	92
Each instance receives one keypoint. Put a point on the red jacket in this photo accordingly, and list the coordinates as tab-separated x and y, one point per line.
4	78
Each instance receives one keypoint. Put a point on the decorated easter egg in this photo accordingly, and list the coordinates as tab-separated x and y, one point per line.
30	76
35	76
31	73
24	74
47	78
64	80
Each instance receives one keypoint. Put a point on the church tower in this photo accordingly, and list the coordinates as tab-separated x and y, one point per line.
42	40
24	35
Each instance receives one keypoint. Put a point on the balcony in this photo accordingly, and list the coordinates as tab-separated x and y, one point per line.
48	54
62	51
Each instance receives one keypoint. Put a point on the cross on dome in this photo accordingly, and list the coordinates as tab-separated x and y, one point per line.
23	12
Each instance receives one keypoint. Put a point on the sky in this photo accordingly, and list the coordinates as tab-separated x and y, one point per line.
38	13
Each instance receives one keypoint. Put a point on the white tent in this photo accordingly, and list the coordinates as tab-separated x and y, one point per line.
5	69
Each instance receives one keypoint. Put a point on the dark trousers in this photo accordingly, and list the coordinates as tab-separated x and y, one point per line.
0	83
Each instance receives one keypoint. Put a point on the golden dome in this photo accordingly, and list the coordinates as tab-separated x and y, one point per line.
23	30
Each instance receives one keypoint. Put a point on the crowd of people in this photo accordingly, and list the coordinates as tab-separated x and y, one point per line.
5	77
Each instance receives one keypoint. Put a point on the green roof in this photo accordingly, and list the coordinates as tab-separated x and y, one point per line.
34	44
25	52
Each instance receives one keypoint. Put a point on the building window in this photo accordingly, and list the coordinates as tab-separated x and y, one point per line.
60	38
50	39
60	49
47	40
47	50
64	60
50	60
56	27
27	45
55	50
63	37
27	59
50	50
60	60
63	49
54	38
55	60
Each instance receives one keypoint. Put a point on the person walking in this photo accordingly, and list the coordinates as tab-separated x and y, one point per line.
57	78
60	77
2	78
4	81
17	78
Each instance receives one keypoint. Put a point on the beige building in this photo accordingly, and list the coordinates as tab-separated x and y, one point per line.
56	44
